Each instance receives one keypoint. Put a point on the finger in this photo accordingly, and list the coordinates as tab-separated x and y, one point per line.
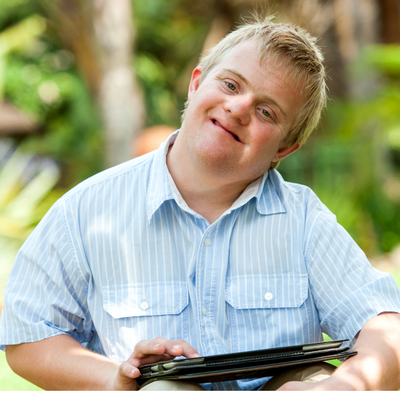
161	347
148	347
128	370
138	362
125	379
181	348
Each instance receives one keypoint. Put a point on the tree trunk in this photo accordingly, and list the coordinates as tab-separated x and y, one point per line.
390	17
120	98
100	35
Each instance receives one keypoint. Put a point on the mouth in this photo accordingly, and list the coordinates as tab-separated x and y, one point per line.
215	122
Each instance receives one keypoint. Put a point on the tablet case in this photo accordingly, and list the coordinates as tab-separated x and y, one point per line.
243	365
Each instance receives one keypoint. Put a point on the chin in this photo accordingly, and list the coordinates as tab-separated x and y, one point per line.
217	163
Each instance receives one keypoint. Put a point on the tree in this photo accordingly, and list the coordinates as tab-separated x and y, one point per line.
100	35
120	97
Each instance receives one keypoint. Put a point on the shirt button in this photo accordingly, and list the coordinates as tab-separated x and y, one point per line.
144	305
268	296
207	241
204	311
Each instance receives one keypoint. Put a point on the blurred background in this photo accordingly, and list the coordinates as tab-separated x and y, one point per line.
88	84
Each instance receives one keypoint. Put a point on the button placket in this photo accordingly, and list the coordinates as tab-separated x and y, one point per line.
205	272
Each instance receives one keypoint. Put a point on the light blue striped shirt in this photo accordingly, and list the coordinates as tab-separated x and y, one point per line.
121	258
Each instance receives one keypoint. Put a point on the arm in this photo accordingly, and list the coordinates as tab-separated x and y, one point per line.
375	367
61	363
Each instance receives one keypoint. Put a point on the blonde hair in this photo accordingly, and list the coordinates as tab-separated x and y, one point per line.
288	44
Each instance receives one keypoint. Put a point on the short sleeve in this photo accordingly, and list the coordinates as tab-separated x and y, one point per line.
46	294
347	290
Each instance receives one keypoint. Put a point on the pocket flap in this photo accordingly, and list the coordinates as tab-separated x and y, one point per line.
133	300
267	291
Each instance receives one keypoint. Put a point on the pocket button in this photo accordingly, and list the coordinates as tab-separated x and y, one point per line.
144	305
268	296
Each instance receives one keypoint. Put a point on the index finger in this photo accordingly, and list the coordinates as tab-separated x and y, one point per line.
161	346
180	348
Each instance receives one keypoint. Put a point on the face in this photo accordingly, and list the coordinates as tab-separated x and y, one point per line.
239	115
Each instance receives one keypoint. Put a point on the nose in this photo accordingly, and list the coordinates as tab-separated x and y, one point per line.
239	107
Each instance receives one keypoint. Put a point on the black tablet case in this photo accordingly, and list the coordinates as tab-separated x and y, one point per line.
243	365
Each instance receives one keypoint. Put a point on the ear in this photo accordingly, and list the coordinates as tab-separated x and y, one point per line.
194	81
285	151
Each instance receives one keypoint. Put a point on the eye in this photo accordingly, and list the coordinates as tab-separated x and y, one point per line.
266	113
231	86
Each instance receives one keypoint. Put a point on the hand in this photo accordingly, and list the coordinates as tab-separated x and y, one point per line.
147	352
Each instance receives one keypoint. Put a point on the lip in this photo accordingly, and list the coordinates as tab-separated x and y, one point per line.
219	125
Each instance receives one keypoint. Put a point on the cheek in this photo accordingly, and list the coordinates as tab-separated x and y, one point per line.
266	146
207	97
266	136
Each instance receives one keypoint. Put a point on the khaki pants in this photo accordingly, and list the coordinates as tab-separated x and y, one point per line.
312	373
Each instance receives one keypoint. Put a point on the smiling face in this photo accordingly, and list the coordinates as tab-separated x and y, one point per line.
239	115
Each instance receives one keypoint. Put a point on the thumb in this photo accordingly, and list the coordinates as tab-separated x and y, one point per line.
126	376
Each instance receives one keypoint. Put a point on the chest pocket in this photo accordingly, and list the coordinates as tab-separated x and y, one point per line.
267	291
149	299
267	310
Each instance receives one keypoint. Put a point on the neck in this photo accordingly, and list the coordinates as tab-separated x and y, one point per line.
207	194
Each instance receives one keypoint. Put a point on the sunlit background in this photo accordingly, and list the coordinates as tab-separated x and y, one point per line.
87	84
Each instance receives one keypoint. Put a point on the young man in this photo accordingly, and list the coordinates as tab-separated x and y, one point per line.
201	247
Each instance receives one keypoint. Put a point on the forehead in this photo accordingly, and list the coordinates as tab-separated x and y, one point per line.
248	57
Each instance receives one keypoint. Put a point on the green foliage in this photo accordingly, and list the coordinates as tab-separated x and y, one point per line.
161	103
40	77
169	39
73	133
12	11
386	58
169	31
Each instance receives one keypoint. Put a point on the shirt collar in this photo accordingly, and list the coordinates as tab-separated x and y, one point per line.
269	198
161	187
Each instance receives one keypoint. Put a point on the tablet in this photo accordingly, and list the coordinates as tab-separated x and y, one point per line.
243	365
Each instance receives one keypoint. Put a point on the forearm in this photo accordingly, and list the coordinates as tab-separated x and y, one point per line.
61	363
377	364
375	367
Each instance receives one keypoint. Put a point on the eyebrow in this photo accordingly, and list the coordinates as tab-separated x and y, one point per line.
265	97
